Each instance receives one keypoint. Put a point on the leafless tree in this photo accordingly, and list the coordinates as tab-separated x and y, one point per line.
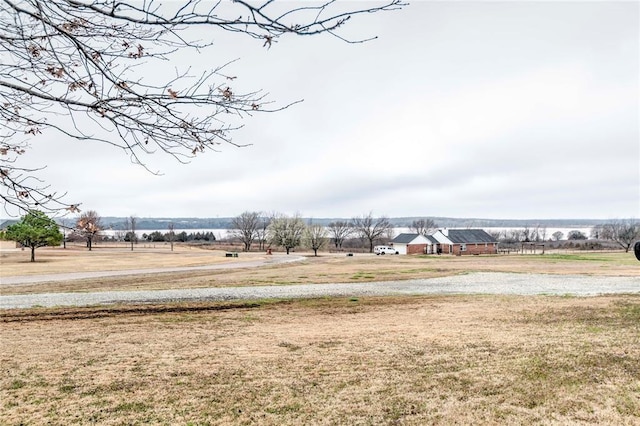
81	69
131	226
498	235
542	232
262	232
88	225
622	232
65	228
286	231
389	234
423	226
371	228
171	235
315	237
525	235
339	231
557	236
535	234
513	236
245	228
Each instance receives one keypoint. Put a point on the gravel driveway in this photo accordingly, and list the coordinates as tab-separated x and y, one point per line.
475	283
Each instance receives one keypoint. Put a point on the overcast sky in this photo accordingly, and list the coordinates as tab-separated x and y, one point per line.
461	109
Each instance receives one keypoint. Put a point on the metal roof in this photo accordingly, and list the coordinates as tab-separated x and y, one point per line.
432	239
405	238
466	236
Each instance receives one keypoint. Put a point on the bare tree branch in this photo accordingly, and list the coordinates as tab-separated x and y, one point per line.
423	226
622	232
371	228
82	69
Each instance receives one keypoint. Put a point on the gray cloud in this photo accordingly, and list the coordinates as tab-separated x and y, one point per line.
482	109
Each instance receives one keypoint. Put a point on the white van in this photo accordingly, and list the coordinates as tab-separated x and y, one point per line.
378	250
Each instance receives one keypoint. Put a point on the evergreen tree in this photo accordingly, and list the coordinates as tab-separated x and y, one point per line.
34	230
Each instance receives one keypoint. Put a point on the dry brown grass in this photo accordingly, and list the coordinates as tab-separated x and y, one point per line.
76	258
326	268
413	360
392	360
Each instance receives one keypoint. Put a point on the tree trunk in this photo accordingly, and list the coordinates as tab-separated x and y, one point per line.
287	250
89	243
315	252
33	253
370	246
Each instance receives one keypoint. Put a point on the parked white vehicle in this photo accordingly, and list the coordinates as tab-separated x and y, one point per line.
378	250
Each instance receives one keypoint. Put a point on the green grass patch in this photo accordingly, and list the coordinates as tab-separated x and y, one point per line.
249	318
67	387
290	346
630	312
284	409
575	257
132	407
17	384
363	276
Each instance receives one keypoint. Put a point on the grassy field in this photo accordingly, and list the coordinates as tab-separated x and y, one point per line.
326	268
385	360
76	258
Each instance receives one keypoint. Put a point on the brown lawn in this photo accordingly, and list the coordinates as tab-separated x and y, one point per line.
388	360
326	268
413	360
105	257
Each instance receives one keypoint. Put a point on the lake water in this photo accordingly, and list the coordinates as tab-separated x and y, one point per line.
221	234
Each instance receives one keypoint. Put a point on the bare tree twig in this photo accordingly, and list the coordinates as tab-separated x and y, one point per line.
77	68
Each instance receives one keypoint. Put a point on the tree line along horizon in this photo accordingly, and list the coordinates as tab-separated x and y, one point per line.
251	228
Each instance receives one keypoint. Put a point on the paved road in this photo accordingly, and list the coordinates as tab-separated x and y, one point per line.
476	283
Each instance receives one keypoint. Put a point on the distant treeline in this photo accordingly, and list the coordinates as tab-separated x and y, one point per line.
119	223
157	236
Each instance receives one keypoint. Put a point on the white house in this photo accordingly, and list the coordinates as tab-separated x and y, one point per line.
413	244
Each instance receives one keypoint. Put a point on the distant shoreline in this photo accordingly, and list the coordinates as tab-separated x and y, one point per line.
154	224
